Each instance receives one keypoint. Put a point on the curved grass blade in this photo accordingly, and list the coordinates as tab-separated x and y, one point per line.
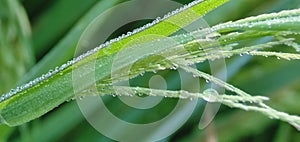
47	92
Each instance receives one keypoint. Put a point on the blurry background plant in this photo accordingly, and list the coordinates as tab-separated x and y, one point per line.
56	27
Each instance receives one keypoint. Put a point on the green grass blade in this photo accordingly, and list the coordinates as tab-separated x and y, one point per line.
15	48
36	98
65	13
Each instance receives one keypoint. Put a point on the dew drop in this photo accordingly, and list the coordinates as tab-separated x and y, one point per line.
173	68
81	97
210	92
129	33
210	95
160	67
271	117
51	71
56	69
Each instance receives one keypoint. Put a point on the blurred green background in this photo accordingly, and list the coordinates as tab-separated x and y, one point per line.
38	35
